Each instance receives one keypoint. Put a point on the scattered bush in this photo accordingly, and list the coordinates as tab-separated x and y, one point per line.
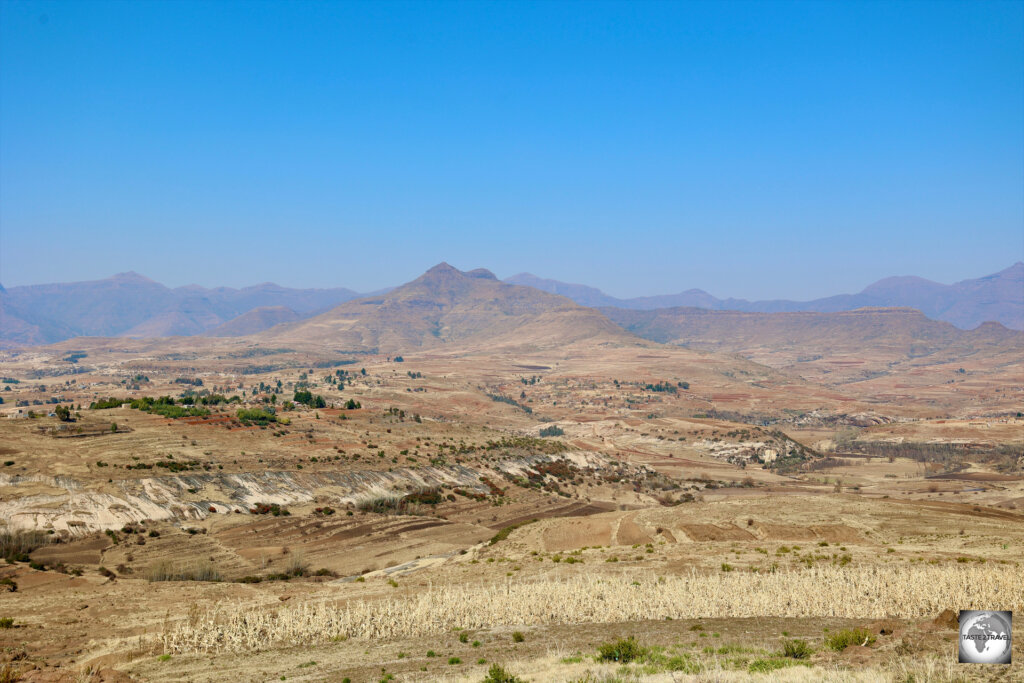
498	674
165	406
796	649
624	650
269	509
506	531
840	640
512	402
392	503
107	403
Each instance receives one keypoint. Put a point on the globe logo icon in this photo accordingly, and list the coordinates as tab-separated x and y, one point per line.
985	637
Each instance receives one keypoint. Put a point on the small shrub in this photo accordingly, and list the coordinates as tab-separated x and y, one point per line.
796	649
499	674
6	622
454	660
624	650
840	640
518	637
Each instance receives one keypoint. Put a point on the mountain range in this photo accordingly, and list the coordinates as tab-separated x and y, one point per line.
998	297
830	347
446	304
131	305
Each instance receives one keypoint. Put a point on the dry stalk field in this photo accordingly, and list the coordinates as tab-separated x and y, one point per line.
868	593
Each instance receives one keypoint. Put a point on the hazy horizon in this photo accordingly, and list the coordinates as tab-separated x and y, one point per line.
755	150
501	276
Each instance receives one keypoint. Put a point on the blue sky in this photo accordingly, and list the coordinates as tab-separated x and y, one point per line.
756	150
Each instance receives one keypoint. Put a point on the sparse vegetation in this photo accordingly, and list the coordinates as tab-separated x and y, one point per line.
796	649
623	651
165	406
165	570
506	531
257	416
499	674
840	640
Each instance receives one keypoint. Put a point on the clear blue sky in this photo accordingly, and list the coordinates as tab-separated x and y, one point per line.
751	149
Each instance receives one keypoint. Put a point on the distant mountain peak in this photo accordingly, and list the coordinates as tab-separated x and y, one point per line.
441	278
448	306
482	273
443	268
1013	273
132	276
900	281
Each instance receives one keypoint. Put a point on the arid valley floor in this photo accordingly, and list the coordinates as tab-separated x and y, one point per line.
484	474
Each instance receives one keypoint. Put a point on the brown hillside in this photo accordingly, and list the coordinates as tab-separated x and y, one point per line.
845	345
446	306
256	320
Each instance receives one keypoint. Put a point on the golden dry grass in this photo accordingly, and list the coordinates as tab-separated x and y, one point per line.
875	592
715	669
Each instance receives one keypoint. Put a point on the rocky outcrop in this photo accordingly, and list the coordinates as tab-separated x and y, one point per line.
71	507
